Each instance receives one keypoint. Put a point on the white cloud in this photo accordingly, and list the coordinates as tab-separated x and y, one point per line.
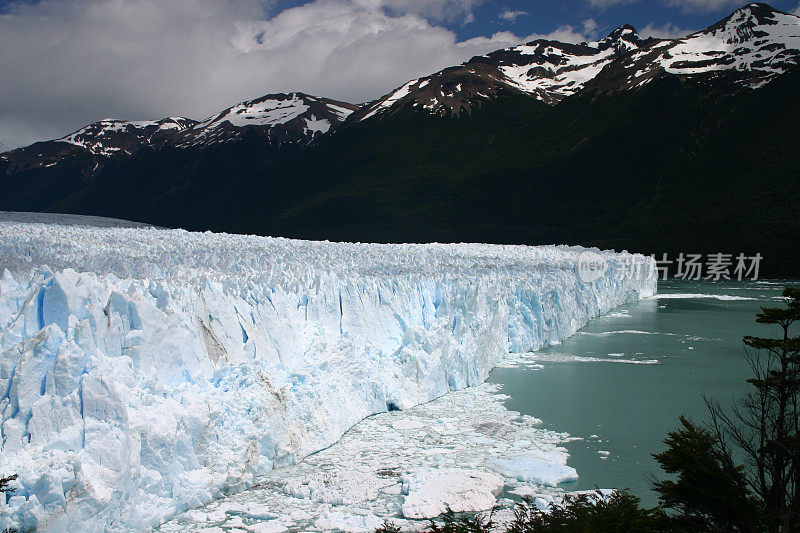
686	5
69	62
590	28
565	34
665	31
605	4
435	10
511	16
705	5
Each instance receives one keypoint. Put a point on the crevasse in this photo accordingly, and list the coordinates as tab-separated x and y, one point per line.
145	371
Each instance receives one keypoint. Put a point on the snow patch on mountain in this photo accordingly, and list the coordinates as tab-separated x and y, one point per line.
110	136
262	112
397	95
556	70
547	70
281	118
313	124
566	75
751	39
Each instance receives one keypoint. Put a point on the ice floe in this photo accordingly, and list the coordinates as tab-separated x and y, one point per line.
369	471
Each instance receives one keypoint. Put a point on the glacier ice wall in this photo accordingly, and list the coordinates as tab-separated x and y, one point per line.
145	371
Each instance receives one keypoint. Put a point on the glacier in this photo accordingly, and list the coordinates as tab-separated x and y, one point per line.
390	465
145	371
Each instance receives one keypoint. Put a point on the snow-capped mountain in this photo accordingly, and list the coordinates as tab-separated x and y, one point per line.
751	47
548	70
95	143
282	118
551	70
110	136
279	118
405	174
453	89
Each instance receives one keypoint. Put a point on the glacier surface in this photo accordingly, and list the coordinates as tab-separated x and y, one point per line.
387	467
144	372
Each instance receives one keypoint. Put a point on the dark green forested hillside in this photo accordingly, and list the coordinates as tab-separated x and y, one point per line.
669	167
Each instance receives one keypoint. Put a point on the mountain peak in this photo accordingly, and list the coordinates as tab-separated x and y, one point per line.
751	15
623	39
756	9
624	30
296	95
278	117
754	22
110	136
758	13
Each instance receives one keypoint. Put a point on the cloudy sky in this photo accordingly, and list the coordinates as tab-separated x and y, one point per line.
66	63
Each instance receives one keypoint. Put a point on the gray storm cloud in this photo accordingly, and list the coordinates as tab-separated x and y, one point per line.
66	63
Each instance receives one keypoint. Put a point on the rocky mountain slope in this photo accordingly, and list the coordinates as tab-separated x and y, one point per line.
277	118
280	118
751	47
96	143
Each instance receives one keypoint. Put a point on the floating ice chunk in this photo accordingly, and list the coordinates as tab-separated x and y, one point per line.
617	314
543	468
403	425
691	296
431	492
346	487
268	527
374	449
350	523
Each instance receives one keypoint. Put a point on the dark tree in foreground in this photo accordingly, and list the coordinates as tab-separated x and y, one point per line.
453	523
388	527
713	490
709	491
588	513
763	427
619	512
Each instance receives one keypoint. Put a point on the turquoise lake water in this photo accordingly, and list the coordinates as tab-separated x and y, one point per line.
622	382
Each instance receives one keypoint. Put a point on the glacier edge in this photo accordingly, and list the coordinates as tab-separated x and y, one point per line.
146	371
